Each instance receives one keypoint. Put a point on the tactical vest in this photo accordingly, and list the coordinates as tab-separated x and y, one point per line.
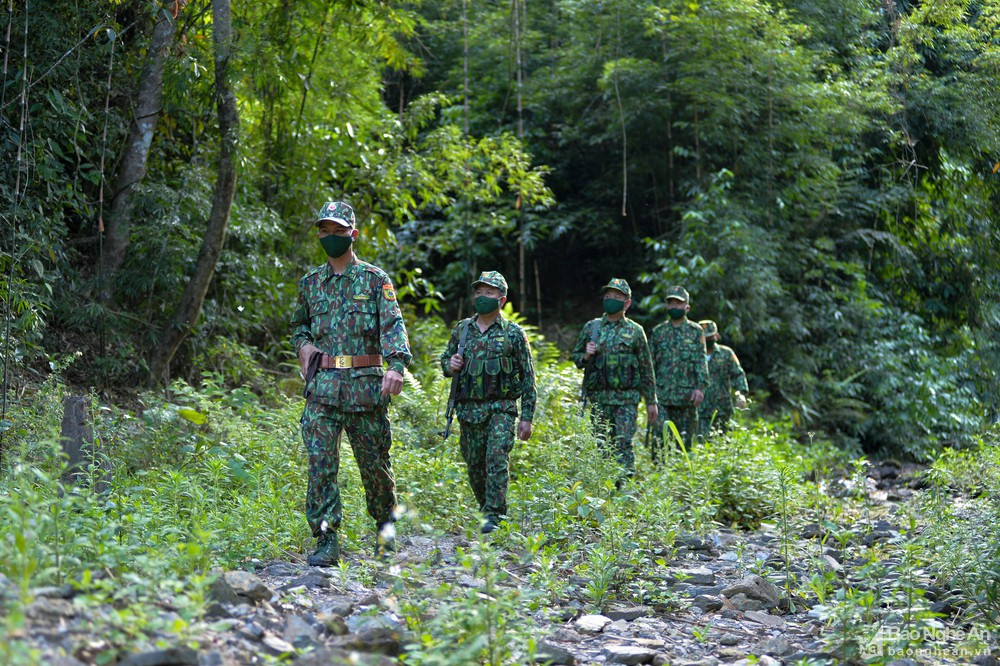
616	366
490	373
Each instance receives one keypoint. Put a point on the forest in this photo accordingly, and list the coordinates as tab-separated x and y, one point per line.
821	176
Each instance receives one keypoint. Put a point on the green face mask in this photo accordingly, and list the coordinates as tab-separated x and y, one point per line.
336	246
613	305
676	313
486	305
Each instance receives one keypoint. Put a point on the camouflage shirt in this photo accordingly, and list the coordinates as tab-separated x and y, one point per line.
622	368
351	314
679	362
725	375
503	353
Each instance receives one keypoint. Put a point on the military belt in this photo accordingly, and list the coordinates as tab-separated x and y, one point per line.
341	362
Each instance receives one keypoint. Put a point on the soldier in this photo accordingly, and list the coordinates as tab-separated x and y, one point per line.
619	369
681	370
494	370
346	323
724	374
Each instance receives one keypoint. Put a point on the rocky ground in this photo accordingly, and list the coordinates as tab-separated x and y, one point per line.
714	607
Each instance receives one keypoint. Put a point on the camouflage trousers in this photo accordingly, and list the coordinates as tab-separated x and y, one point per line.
615	425
685	418
486	448
370	437
716	419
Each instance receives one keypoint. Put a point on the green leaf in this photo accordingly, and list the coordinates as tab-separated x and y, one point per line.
193	416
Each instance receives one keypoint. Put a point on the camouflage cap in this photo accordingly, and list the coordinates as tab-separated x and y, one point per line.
709	327
336	211
678	292
620	285
492	279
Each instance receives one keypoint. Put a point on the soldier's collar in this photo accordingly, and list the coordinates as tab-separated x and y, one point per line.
349	272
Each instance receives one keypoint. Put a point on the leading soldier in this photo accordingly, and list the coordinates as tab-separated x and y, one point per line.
491	360
725	375
618	369
681	371
346	324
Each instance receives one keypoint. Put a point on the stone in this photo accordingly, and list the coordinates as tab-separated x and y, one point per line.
325	656
46	608
299	631
176	656
627	654
566	635
592	624
707	603
241	584
277	646
698	576
729	640
754	587
310	581
776	647
362	623
377	639
281	569
334	624
730	653
692	542
766	619
741	602
618	626
628	614
552	653
342	606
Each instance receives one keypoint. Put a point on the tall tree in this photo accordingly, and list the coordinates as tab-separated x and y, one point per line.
132	167
187	312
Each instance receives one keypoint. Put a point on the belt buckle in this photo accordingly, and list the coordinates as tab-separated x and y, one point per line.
341	362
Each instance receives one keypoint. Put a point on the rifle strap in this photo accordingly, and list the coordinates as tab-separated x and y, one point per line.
595	331
463	334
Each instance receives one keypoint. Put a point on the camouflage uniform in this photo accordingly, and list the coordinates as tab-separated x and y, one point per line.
680	367
497	371
725	375
621	372
351	314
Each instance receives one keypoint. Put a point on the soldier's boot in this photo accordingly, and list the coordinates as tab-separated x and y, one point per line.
490	524
327	552
385	539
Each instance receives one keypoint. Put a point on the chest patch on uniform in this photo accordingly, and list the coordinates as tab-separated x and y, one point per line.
388	293
360	297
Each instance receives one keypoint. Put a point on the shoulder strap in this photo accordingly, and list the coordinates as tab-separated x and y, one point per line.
463	334
595	331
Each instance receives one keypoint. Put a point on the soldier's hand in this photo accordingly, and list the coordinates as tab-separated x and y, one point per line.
455	363
591	349
392	383
305	351
652	412
524	430
741	400
696	397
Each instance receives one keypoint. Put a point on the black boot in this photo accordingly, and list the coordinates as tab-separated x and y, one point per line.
327	553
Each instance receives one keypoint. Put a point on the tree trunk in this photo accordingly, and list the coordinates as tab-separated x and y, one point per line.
132	167
189	309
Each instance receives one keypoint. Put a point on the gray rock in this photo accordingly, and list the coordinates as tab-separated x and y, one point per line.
618	626
712	591
707	603
342	606
902	662
729	640
776	647
628	614
212	658
765	619
664	660
699	576
743	603
592	624
310	581
628	654
234	587
46	608
377	639
566	635
176	656
362	623
281	569
553	653
986	660
299	631
754	587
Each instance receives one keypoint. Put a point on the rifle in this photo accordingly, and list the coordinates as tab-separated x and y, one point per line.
450	413
594	335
